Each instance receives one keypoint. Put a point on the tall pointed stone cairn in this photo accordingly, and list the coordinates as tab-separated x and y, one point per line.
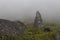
38	20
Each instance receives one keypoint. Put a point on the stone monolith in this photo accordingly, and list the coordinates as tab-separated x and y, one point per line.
38	20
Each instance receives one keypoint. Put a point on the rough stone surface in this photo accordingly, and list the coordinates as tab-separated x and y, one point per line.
38	20
57	37
11	28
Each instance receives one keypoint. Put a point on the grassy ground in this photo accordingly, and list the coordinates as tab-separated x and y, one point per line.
30	33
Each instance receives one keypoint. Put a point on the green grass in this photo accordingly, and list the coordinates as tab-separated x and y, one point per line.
31	33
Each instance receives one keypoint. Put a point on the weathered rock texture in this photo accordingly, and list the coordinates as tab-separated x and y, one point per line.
11	28
38	20
57	37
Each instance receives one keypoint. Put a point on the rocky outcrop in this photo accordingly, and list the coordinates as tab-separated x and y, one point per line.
10	28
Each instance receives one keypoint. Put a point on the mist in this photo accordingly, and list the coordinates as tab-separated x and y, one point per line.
26	9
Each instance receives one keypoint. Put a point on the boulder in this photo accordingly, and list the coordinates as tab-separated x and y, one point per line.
8	27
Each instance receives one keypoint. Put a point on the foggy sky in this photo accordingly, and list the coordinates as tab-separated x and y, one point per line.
26	9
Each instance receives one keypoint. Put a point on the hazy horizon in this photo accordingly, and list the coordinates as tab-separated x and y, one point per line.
26	9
